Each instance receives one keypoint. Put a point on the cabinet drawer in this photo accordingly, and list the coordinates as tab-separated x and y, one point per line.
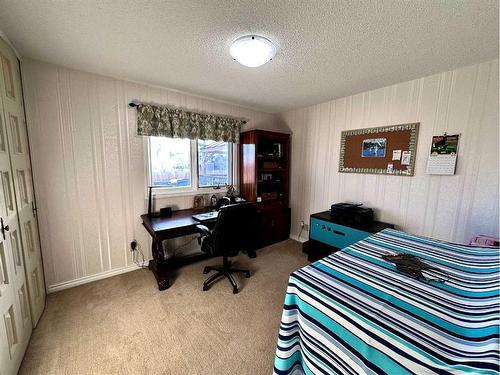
336	235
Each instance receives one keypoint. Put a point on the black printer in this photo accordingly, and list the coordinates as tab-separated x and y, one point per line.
350	213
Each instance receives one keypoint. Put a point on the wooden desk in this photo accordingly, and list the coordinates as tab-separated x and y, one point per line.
163	228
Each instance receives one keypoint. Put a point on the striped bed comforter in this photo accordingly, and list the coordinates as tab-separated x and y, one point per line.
354	313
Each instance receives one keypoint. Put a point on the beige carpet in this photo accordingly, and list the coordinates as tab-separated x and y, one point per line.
124	325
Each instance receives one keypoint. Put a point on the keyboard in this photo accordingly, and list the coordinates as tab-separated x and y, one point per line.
206	216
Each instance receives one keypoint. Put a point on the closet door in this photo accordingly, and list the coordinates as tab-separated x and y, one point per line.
17	141
15	319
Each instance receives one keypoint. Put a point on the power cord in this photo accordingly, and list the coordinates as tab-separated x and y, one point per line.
302	225
138	256
136	252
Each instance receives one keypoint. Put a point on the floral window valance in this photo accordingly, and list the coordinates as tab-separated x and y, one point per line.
164	121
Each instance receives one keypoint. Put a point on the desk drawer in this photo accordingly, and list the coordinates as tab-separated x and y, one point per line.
336	235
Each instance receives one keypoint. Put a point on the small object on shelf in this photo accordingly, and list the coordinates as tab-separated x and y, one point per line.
198	201
230	191
213	201
267	176
270	165
277	147
269	196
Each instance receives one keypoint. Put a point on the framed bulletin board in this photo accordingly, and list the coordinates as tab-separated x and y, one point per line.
383	150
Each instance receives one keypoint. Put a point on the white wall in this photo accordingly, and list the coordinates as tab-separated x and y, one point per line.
89	167
446	207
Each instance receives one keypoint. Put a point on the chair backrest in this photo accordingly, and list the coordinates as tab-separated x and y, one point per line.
234	230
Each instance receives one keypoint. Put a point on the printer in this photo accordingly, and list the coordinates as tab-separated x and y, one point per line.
351	213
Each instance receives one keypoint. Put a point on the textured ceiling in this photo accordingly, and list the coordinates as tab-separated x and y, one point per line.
327	49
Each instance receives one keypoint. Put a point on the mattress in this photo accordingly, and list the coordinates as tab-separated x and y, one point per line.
355	313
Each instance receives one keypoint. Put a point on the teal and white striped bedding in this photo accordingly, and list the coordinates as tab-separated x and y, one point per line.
354	313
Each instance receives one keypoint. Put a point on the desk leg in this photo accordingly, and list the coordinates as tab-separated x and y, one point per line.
158	265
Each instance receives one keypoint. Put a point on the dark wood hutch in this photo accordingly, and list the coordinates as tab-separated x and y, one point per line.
265	181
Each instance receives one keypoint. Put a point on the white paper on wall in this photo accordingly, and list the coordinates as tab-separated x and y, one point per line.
443	157
406	158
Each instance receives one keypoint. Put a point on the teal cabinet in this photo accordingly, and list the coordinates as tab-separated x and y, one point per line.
336	235
327	235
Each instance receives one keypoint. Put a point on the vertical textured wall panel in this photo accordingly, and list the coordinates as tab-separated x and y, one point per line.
89	167
447	207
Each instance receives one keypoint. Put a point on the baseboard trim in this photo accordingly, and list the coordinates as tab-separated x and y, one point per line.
296	238
88	279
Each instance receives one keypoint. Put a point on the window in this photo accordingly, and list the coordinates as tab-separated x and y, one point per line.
170	162
189	165
213	163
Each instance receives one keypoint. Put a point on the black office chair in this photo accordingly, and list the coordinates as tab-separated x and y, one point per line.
233	232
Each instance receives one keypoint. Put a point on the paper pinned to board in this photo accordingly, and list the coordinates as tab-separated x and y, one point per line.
405	159
396	154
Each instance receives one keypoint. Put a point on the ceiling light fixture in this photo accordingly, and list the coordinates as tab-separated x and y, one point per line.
252	50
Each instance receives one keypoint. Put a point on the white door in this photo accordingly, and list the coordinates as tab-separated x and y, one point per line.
17	140
15	319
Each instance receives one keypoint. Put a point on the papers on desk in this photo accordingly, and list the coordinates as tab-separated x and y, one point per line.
206	216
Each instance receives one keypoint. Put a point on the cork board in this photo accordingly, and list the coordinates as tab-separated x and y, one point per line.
382	150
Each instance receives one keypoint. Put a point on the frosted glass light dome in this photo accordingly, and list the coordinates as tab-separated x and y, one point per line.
252	50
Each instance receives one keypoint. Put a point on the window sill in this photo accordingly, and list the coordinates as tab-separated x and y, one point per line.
164	193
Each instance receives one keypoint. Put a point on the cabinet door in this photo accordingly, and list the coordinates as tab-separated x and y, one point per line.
281	225
20	173
274	225
266	230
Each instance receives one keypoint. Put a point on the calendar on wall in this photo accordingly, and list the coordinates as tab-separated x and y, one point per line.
443	155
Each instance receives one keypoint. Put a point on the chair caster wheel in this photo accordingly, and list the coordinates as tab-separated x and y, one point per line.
247	275
205	288
206	270
235	290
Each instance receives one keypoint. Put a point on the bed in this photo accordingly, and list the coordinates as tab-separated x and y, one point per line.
354	313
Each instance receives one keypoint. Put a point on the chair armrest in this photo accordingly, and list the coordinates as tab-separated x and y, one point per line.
203	230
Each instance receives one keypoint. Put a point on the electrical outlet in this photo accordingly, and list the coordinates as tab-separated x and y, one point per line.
133	245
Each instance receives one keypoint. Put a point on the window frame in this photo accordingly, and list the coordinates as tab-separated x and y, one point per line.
194	189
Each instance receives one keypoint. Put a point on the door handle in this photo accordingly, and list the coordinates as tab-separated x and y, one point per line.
4	228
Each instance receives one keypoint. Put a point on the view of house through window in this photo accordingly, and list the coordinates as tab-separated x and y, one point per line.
170	162
173	161
213	163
